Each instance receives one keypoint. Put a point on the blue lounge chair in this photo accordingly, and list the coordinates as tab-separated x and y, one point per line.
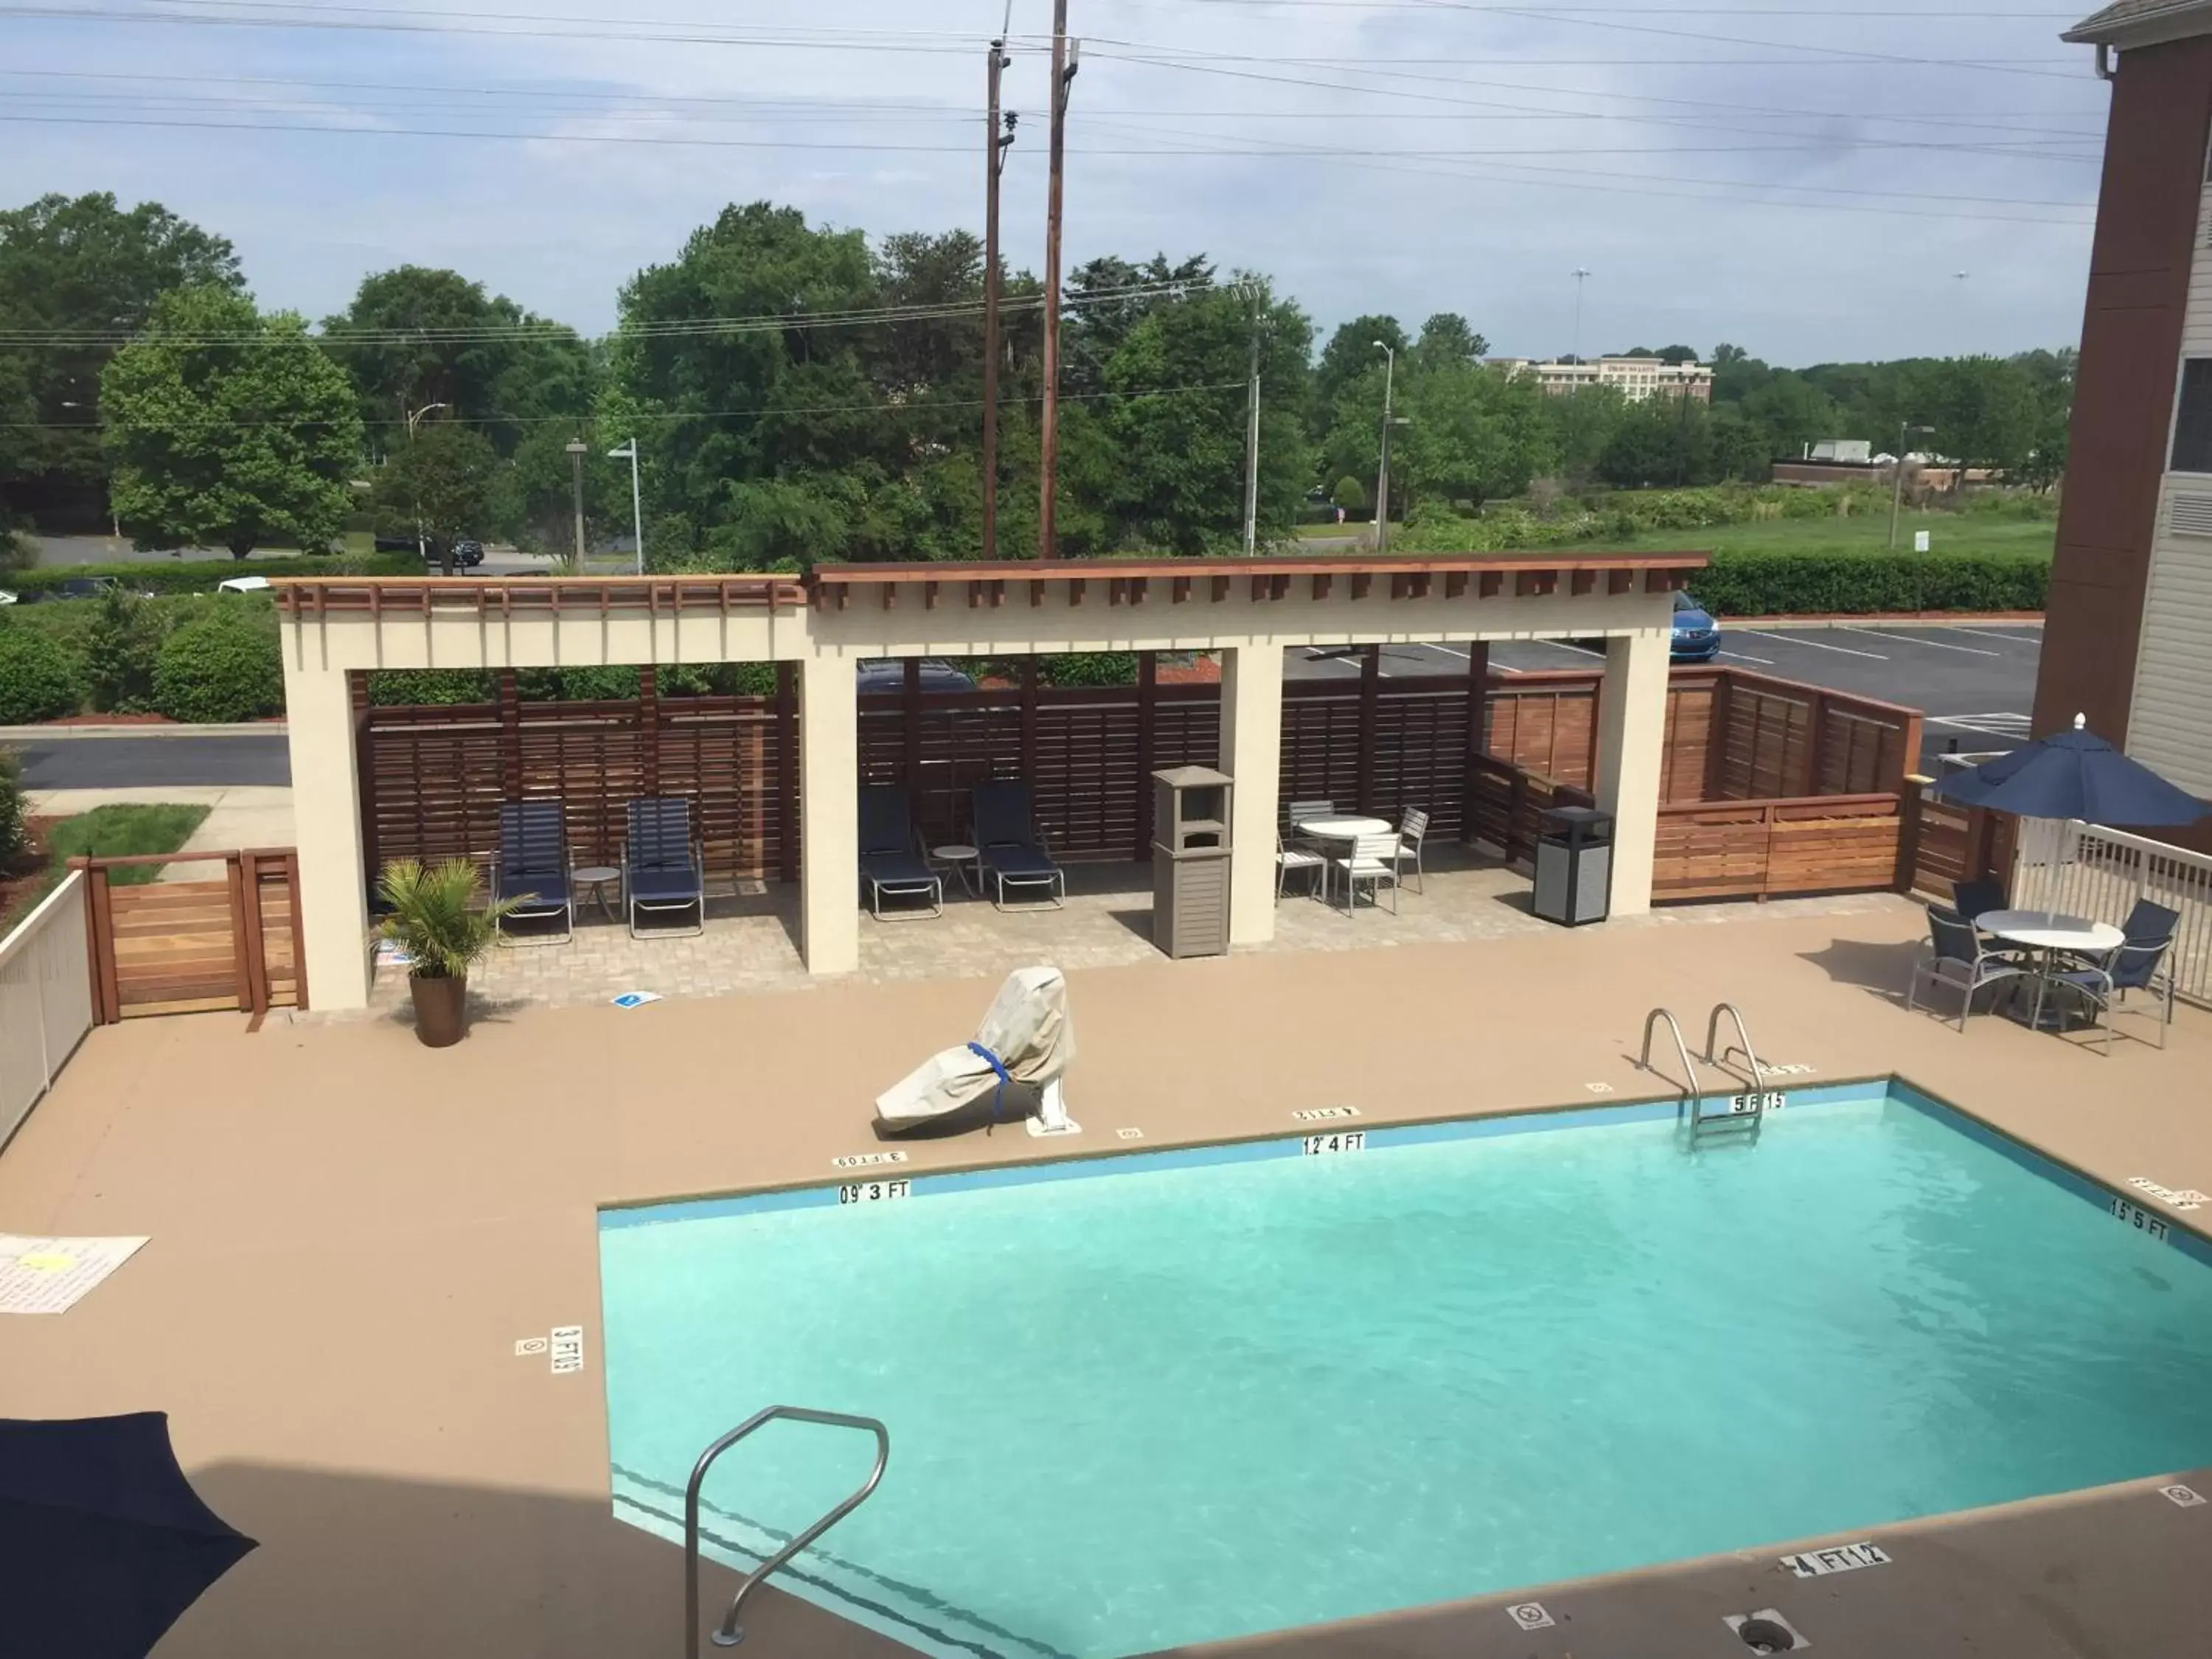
661	866
533	867
890	861
1009	852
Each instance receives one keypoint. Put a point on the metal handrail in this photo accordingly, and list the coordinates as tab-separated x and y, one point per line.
1743	1043
1689	1071
729	1634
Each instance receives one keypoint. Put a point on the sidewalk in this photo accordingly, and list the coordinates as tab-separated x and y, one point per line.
237	816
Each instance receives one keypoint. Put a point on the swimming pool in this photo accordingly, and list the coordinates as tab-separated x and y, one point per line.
1168	1397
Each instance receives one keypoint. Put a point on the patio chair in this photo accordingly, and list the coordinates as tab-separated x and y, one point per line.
1977	897
1298	812
890	856
662	868
1373	859
532	868
1009	850
1957	958
1288	859
1413	830
2140	964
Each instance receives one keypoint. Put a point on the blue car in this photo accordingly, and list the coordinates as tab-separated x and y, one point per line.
1696	635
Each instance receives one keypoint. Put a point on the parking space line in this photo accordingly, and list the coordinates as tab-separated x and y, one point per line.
1915	639
1745	656
1813	645
1449	650
1562	645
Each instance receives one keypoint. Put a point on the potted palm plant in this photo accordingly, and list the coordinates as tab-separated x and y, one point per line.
440	918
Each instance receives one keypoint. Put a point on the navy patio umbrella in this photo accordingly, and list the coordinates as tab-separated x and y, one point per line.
103	1542
2073	774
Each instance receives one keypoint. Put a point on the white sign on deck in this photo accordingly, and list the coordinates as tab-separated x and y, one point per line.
2178	1198
2183	1498
50	1275
1347	1140
872	1192
1844	1558
567	1349
1529	1615
1318	1114
866	1160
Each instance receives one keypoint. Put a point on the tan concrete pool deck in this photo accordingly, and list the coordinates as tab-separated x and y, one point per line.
349	1233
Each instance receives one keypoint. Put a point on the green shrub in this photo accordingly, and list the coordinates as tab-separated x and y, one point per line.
1350	494
41	678
575	685
1088	668
202	575
1748	584
12	807
120	648
224	666
397	687
722	679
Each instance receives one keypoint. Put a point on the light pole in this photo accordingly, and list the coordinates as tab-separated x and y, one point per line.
629	452
577	450
1897	487
1383	467
421	551
1581	276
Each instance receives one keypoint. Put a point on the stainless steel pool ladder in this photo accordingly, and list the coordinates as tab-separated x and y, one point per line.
729	1634
1690	1102
1741	1046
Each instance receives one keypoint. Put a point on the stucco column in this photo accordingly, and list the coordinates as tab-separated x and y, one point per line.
1632	739
829	816
326	820
1252	754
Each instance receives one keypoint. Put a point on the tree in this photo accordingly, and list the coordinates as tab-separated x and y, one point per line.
1099	311
228	429
1447	341
1348	358
439	484
1475	433
86	268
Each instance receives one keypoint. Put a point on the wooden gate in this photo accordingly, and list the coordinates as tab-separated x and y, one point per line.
181	947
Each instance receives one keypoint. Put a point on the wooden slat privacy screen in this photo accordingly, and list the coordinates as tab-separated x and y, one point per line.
433	777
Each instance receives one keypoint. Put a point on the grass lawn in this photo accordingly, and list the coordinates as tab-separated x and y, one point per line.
1868	533
116	831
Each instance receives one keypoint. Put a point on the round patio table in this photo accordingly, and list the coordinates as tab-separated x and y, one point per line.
596	878
2050	931
961	858
1341	828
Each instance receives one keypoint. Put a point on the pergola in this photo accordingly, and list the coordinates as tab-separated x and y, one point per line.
1248	610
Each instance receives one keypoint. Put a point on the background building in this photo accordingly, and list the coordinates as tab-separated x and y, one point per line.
2129	639
1637	378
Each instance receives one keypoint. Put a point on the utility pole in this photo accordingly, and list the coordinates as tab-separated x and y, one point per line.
1252	438
1063	73
576	450
994	163
1382	470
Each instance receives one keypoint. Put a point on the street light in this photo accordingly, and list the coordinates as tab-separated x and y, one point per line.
1383	467
421	551
1581	275
577	450
629	452
1897	487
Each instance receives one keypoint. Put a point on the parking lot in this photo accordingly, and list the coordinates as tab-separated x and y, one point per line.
1975	681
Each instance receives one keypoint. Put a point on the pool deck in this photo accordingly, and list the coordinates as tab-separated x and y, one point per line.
349	1234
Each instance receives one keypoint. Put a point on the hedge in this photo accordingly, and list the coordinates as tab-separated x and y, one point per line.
225	666
1770	584
204	575
41	678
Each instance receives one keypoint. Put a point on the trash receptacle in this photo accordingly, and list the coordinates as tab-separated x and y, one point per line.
1190	862
1574	865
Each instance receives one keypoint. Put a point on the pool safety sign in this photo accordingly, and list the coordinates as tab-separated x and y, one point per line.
1843	1558
1773	1100
873	1192
1347	1140
1529	1615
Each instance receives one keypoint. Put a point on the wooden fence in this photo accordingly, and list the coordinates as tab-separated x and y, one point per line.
1761	848
176	947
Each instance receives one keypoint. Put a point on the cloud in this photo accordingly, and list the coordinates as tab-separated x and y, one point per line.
1719	180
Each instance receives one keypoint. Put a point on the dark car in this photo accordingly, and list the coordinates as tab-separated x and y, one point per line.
81	587
1696	635
889	674
466	551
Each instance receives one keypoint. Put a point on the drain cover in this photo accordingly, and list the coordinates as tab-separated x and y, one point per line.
1766	1631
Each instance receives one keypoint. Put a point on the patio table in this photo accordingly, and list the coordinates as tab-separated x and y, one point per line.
2050	932
1347	827
961	858
596	878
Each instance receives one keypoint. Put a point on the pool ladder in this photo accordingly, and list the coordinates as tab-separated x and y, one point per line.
730	1633
1691	1105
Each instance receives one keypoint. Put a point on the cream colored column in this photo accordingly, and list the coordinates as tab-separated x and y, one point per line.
1252	754
327	819
829	816
1630	744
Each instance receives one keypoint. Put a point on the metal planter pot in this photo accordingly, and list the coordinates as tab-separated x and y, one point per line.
441	1009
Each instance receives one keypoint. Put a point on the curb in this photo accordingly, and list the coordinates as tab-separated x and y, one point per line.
165	729
1893	618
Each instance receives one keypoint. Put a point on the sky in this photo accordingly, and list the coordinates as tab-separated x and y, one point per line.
1813	185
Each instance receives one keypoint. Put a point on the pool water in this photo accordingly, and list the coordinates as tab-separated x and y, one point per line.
1175	1397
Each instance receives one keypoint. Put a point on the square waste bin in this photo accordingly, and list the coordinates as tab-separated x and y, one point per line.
1574	865
1190	862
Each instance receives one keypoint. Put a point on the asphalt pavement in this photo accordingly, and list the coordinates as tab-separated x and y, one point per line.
1975	681
125	762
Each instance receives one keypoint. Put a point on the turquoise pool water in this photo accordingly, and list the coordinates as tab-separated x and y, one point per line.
1174	1397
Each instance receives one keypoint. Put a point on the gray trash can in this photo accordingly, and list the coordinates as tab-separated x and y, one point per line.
1574	865
1190	862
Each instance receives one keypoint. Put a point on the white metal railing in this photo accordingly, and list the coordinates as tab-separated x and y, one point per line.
2085	870
45	1000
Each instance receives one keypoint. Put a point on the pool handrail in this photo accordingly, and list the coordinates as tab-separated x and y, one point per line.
729	1634
1689	1070
1742	1044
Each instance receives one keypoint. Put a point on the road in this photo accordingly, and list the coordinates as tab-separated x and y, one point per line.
1975	682
95	550
125	762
